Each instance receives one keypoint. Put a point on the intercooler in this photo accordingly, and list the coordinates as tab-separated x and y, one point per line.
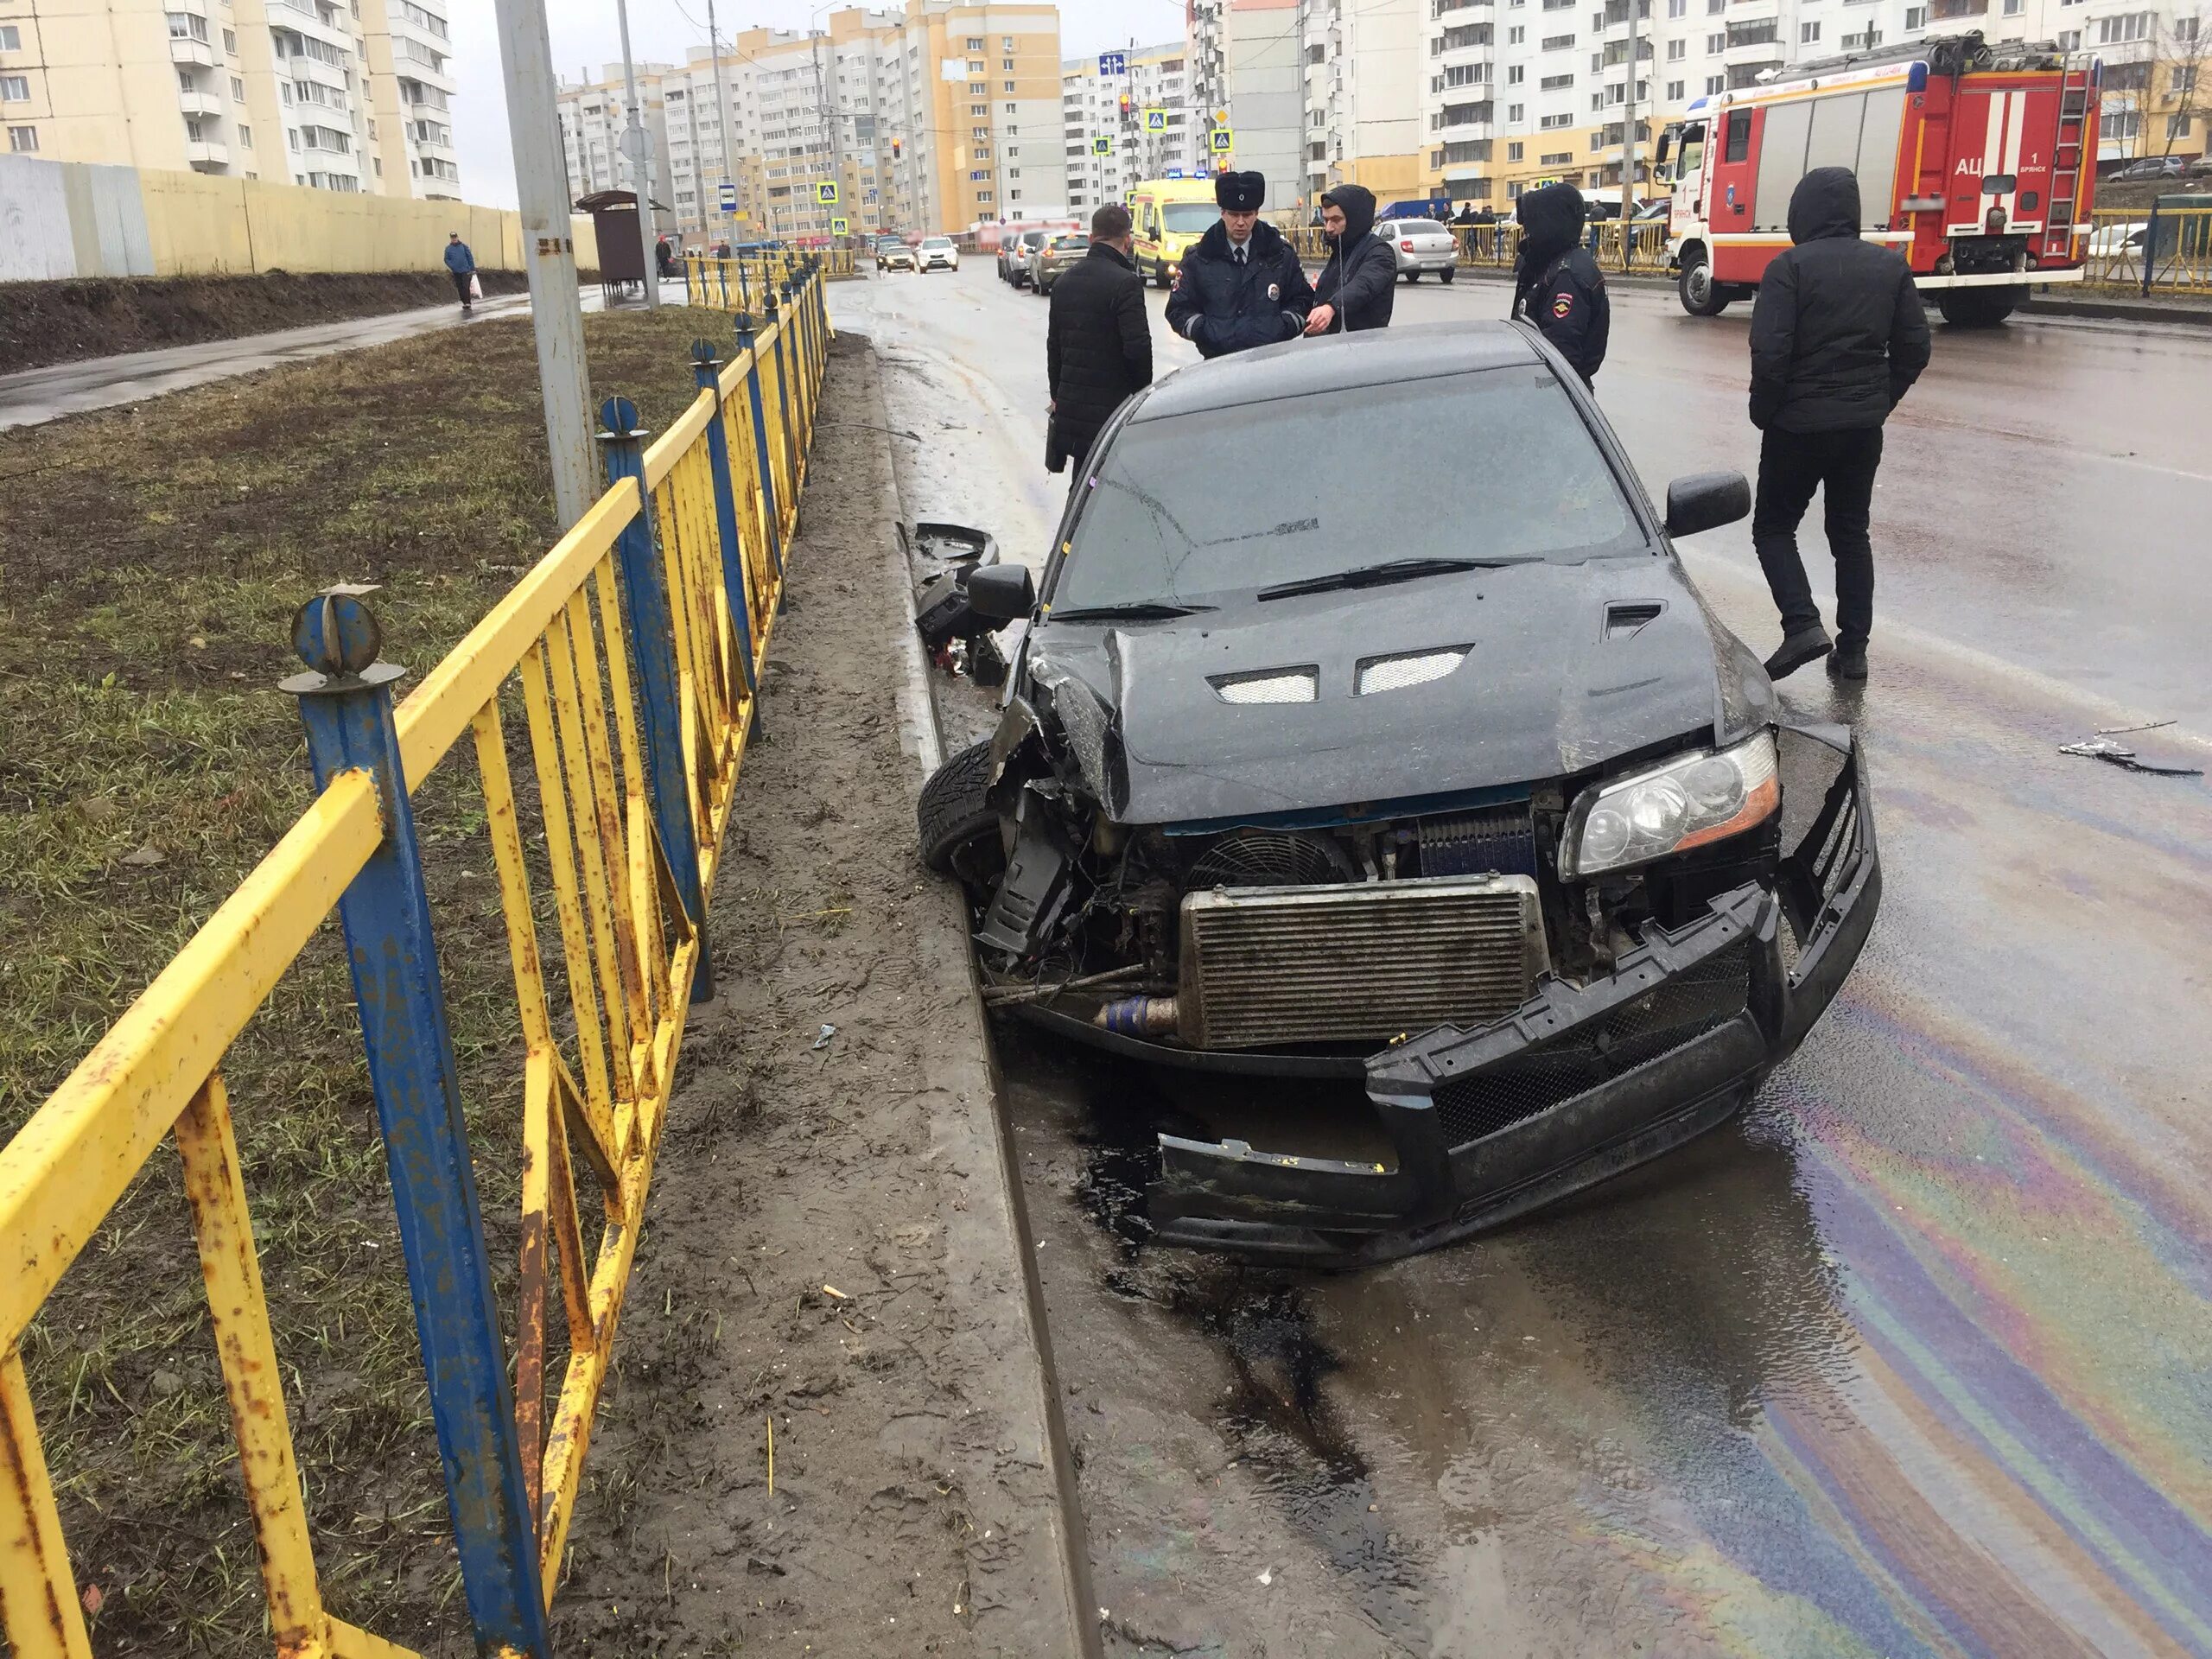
1356	961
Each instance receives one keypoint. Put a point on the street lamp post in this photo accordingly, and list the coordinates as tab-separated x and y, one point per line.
635	143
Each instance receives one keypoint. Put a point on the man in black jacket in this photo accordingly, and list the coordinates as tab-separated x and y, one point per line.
1097	340
1242	286
1838	337
1360	284
1556	284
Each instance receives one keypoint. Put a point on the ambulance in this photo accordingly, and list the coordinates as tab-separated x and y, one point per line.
1171	215
1976	162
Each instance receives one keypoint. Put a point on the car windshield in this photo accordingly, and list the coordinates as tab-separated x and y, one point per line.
1189	217
1416	226
937	242
1193	506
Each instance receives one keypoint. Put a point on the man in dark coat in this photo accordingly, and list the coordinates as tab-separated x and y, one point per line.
1242	286
1556	284
1097	340
1838	338
1360	284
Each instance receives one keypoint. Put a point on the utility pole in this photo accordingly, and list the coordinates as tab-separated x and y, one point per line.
721	108
639	150
1628	137
550	252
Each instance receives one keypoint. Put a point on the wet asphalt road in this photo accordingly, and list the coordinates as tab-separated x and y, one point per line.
1917	1356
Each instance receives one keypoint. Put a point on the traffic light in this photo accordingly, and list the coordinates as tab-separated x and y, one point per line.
896	143
1125	106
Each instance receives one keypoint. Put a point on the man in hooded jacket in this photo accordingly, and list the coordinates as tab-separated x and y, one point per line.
1360	284
1098	341
1242	286
1556	283
1838	338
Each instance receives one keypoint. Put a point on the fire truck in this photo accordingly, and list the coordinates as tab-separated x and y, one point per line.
1976	162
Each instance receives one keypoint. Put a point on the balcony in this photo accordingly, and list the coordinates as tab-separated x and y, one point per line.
1463	117
192	52
193	101
207	155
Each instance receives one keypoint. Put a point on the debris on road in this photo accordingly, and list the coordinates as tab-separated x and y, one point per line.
2101	748
823	1041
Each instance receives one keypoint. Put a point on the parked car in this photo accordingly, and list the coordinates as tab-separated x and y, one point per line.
897	257
1422	245
2202	167
2120	241
1050	259
1014	254
1489	816
2149	167
936	253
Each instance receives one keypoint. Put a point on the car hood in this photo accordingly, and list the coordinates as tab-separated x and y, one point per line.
1566	668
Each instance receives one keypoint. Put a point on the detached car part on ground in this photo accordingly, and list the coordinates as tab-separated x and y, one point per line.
1509	826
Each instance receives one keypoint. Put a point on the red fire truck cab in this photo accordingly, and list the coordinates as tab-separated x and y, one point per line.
1974	161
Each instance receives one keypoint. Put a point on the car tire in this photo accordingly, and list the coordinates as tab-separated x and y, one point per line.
1413	276
1700	295
1448	273
959	830
1977	307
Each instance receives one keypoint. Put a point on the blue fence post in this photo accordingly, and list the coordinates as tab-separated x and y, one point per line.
345	705
706	367
651	619
761	459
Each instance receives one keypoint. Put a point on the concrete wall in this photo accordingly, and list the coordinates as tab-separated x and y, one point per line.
60	220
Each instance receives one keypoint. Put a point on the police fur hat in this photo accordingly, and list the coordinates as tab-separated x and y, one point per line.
1240	193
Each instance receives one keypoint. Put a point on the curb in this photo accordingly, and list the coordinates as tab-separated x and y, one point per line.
1040	1582
2119	309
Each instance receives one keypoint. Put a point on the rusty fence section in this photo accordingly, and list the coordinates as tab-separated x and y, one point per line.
637	641
2160	248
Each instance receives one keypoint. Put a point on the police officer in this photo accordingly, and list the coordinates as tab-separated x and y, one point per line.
1242	286
1556	284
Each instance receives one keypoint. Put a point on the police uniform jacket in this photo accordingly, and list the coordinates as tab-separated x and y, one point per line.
1222	306
1567	304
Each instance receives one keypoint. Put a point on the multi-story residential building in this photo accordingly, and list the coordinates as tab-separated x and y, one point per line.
917	116
1364	116
348	95
1143	115
593	117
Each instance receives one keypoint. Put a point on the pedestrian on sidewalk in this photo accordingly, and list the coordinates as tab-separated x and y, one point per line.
462	264
1557	285
1838	338
1242	286
1360	284
1097	340
664	256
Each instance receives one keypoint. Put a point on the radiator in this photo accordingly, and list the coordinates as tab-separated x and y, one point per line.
1355	962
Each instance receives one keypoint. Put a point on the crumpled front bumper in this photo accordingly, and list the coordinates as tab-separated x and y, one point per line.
1579	1084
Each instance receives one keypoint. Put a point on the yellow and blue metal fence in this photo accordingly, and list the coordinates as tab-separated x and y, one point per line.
638	642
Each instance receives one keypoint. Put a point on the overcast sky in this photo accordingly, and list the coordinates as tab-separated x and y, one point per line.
585	36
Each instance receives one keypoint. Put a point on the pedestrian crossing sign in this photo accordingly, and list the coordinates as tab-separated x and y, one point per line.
1155	120
1102	145
1220	140
840	226
826	193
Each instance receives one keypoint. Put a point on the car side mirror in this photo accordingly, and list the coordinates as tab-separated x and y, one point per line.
1005	592
1705	501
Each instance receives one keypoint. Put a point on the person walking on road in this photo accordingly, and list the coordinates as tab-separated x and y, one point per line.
1097	340
1556	284
462	264
1242	286
1360	284
1838	338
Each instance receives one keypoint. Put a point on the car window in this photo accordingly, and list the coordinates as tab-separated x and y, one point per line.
1418	226
1073	244
1191	217
1232	499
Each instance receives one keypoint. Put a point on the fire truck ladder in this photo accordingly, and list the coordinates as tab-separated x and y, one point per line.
2066	158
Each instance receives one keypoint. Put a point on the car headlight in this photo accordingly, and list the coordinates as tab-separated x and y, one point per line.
1684	803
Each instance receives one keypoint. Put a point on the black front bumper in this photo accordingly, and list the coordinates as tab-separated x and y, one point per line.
1579	1084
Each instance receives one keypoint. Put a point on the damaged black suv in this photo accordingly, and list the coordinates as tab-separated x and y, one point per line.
1495	815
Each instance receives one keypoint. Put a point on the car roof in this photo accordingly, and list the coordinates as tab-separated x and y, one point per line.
1301	368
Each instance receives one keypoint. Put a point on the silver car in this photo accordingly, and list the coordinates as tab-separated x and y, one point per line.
1014	254
1421	245
1049	259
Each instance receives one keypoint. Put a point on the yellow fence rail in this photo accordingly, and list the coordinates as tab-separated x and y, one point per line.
2150	251
638	642
1492	247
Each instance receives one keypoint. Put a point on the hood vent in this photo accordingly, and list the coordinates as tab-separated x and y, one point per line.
1410	668
1269	685
1624	619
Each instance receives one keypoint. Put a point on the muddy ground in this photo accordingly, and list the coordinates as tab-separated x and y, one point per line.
59	322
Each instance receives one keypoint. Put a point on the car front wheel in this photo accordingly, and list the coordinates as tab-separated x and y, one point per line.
959	830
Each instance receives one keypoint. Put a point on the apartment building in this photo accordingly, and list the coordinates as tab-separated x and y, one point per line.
1119	129
1365	63
917	116
346	95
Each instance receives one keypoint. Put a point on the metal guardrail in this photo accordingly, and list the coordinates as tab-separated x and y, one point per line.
639	641
1492	247
736	284
2171	255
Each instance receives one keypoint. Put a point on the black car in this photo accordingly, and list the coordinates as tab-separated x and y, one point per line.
1492	815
